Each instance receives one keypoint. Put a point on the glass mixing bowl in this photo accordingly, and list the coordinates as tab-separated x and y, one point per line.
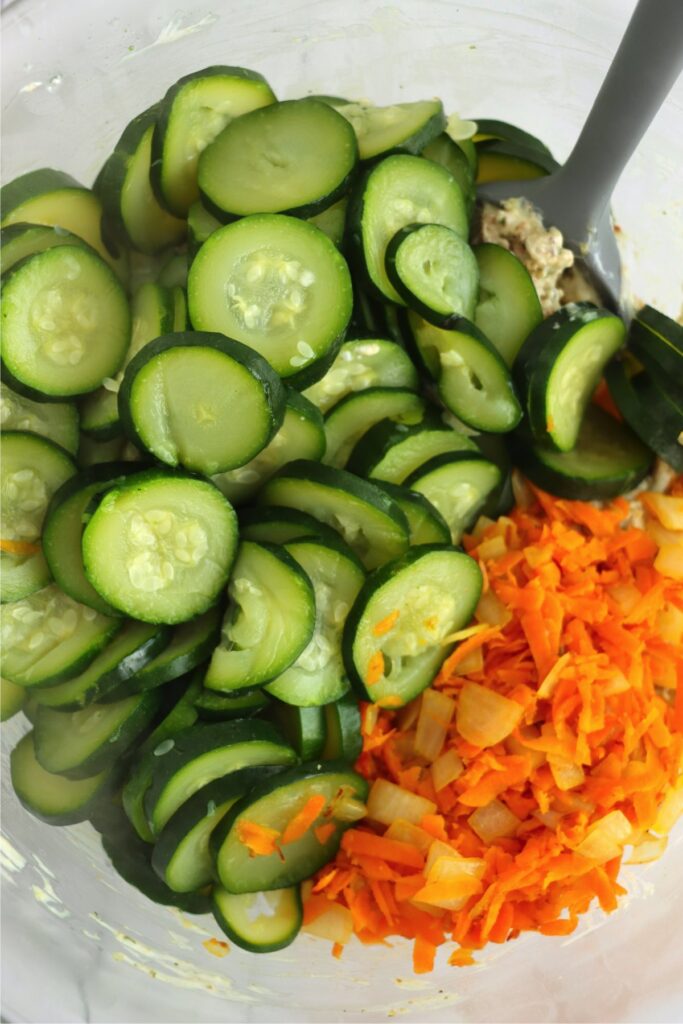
78	943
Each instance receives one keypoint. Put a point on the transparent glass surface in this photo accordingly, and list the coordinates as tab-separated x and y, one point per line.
80	944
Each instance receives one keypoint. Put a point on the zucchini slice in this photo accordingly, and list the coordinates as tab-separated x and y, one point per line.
65	322
259	922
403	127
48	638
57	421
12	699
273	804
443	150
343	740
17	241
160	545
192	113
200	224
360	364
426	525
657	340
369	521
457	484
332	221
317	676
346	425
191	644
391	451
648	412
434	271
488	128
508	307
396	637
303	728
275	525
277	284
293	157
132	215
32	468
83	743
607	460
49	797
400	190
559	366
220	707
269	621
222	402
505	160
301	436
196	756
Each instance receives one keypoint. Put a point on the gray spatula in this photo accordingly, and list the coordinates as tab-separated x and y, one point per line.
576	198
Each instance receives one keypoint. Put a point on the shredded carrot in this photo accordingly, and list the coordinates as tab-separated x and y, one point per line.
323	832
303	819
386	624
260	840
584	639
19	547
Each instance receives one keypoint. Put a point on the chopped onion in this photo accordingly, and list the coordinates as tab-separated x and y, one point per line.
407	716
493	547
617	683
660	535
551	819
438	850
648	849
493	821
670	809
451	880
667	508
669	561
518	746
606	838
446	769
626	595
670	624
405	832
472	662
492	611
481	526
335	924
387	802
436	712
566	773
485	717
523	495
347	808
448	869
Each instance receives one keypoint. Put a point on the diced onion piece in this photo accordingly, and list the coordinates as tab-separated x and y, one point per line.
335	924
667	508
551	819
370	716
434	911
481	526
472	662
347	808
660	535
606	838
436	712
492	547
670	624
446	769
522	493
485	717
451	881
437	851
405	832
618	683
407	716
492	611
648	849
626	595
519	747
566	773
670	809
448	869
669	561
387	802
494	821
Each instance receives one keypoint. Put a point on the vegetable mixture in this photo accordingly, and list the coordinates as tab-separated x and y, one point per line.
342	527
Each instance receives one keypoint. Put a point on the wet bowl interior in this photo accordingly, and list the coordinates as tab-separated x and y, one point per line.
80	944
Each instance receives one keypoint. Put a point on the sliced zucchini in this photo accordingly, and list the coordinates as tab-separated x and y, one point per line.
657	340
132	215
198	755
396	636
12	699
434	271
608	459
473	381
93	453
400	190
200	224
504	160
82	743
180	318
293	157
160	545
132	648
559	366
273	804
368	520
301	436
65	518
332	221
48	638
648	412
443	150
277	284
54	199
32	469
508	307
488	128
317	676
49	797
303	728
181	855
346	425
192	113
275	525
425	523
392	451
20	240
260	922
57	421
219	707
173	274
343	740
65	321
222	402
360	364
269	620
191	644
403	127
457	484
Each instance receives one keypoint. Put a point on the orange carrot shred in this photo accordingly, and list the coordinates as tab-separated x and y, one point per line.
303	819
323	832
386	624
260	840
19	547
375	669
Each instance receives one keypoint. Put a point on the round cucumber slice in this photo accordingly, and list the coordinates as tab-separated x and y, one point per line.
222	402
12	699
508	307
396	636
425	523
347	424
274	283
58	421
20	240
49	797
159	546
457	484
360	364
434	270
278	525
391	451
260	922
402	127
